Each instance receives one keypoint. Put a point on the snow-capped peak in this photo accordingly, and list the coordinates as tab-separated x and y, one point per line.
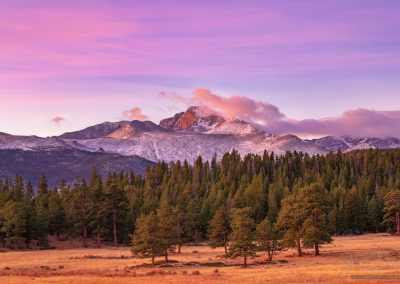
234	126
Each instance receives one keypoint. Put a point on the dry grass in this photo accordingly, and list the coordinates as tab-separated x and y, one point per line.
364	256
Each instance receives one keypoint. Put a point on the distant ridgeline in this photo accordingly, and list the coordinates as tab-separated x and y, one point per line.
353	192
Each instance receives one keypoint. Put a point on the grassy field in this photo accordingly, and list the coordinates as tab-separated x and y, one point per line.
373	258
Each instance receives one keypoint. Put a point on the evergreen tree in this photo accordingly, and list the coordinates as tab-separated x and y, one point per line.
147	240
373	215
168	229
80	195
56	214
182	227
243	236
290	222
28	211
219	229
315	207
42	212
116	204
96	204
13	225
391	209
268	238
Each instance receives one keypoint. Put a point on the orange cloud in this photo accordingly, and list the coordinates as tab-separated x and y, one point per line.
134	113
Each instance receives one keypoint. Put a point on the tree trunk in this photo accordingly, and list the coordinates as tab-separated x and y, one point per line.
226	250
115	227
84	236
166	257
299	247
98	234
179	248
152	259
84	225
245	261
270	255
316	247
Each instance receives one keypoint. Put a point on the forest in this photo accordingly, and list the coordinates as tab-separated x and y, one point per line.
245	204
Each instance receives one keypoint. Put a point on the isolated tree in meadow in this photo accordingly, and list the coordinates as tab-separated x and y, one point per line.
391	208
219	230
147	240
268	238
168	228
243	236
315	207
290	222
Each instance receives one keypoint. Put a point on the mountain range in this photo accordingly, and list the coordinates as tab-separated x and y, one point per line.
126	145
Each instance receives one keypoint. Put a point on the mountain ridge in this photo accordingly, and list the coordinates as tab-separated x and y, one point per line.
184	136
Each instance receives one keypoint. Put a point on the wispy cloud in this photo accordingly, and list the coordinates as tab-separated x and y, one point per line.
58	120
357	122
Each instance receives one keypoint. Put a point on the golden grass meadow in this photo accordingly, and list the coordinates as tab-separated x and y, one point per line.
370	258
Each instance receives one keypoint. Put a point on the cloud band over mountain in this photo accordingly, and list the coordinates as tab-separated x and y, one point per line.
356	122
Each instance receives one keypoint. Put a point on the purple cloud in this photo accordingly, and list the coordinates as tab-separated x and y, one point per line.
358	122
57	120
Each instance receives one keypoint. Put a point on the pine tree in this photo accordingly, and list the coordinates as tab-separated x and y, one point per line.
391	209
56	214
353	211
290	222
168	228
116	204
42	212
243	236
147	239
268	238
13	225
28	211
315	207
373	214
219	229
255	197
80	195
182	227
96	204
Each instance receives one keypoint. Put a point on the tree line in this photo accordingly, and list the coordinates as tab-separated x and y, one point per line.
300	200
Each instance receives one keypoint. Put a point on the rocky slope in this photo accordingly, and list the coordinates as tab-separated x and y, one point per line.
30	156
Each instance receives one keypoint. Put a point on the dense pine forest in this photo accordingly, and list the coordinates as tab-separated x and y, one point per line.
294	200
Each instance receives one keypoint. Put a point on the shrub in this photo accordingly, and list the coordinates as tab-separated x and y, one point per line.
196	272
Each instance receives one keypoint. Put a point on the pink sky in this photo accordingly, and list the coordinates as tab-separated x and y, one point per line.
90	61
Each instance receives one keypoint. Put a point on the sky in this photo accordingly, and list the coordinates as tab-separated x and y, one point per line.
310	68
